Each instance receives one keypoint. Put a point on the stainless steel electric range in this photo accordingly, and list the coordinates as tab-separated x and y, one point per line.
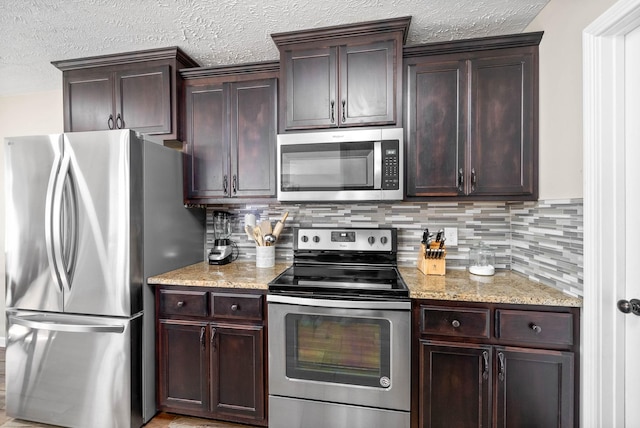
340	333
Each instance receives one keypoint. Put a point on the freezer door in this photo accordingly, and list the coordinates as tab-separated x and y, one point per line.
73	371
100	246
32	167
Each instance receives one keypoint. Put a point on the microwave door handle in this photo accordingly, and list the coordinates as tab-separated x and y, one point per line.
377	164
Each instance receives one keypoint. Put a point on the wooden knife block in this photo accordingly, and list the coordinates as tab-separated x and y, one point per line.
431	266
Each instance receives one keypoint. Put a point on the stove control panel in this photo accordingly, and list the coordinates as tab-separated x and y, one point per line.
357	239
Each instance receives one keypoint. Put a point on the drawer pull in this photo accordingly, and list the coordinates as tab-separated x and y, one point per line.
455	323
501	368
180	304
202	336
536	328
234	307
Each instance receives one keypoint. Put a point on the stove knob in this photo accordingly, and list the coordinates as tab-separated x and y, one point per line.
304	238
371	240
316	239
383	240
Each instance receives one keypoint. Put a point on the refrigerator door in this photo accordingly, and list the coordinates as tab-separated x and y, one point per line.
32	166
105	223
72	370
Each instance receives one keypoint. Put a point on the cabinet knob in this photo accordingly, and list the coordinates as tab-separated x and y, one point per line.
234	307
536	328
110	122
455	323
180	304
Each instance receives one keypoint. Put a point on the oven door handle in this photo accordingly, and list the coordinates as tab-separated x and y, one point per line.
341	303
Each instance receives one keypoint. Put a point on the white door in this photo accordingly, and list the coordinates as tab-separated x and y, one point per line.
611	338
631	293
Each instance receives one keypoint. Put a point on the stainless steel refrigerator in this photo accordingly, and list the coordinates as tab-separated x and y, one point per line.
89	217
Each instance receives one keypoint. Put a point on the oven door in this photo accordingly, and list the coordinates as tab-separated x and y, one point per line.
340	351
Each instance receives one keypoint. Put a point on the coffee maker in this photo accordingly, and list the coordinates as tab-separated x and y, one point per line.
222	251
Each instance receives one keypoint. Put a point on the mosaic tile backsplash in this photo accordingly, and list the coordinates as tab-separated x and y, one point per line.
542	240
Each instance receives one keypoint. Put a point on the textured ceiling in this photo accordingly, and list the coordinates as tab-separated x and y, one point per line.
216	32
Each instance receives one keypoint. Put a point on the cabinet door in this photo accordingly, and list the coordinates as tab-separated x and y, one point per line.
143	100
88	101
535	388
207	148
238	377
502	140
183	369
311	99
437	127
253	138
367	76
455	385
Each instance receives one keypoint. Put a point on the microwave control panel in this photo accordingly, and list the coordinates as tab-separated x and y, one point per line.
390	165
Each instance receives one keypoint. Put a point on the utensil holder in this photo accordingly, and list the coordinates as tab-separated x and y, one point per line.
265	256
432	266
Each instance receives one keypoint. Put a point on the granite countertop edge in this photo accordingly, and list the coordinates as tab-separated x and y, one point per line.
505	287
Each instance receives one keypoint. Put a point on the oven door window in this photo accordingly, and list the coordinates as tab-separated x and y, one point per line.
346	350
328	166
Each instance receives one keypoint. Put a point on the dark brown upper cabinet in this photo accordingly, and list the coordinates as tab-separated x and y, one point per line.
231	129
136	90
472	119
349	75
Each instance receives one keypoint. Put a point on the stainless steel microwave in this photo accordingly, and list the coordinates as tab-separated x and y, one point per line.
346	165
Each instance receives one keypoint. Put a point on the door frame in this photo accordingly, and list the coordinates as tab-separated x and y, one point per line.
602	378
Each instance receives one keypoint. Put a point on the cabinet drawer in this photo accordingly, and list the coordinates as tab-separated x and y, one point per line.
245	306
192	303
534	327
459	322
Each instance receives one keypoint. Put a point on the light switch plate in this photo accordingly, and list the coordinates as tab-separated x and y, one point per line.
451	236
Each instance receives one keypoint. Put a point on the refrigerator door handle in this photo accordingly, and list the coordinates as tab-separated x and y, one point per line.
40	322
58	218
50	217
69	225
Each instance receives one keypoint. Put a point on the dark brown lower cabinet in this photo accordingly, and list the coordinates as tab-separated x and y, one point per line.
534	388
455	385
184	369
236	370
211	354
491	365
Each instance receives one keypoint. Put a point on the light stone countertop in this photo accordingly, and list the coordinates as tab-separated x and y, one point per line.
233	275
456	285
503	287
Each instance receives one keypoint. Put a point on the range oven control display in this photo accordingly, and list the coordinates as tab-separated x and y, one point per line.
339	239
343	236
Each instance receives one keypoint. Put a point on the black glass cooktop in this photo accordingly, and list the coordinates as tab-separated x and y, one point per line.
341	280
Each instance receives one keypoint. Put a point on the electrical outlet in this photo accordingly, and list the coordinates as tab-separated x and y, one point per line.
451	236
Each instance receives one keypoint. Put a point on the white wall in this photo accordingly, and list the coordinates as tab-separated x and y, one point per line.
561	93
27	114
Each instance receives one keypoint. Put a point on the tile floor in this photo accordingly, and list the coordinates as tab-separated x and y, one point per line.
161	420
